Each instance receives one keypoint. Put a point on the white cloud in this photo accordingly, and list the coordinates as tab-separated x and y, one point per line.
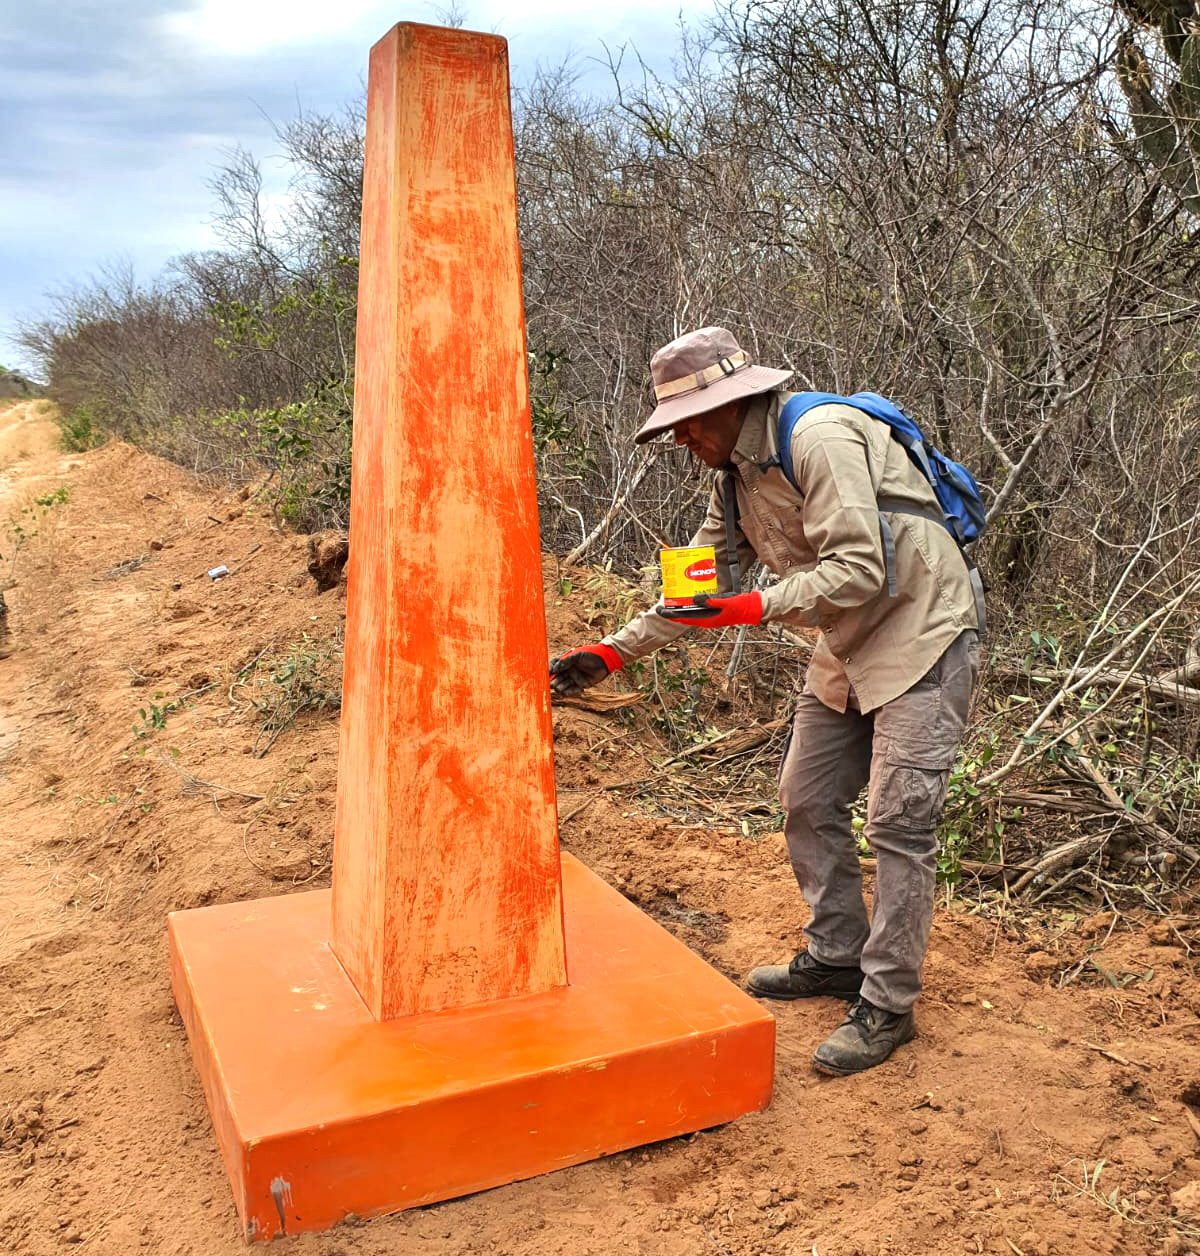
246	28
243	28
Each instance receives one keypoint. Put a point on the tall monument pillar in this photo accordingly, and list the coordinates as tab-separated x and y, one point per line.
446	884
465	1007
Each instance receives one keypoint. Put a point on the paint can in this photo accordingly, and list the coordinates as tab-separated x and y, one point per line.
686	572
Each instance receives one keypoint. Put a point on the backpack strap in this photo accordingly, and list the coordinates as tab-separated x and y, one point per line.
977	590
897	507
889	554
790	413
729	488
894	505
917	452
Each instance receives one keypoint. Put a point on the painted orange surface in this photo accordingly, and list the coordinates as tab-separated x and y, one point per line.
427	1044
446	877
321	1110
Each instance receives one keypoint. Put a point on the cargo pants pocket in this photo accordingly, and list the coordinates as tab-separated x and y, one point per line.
916	740
910	797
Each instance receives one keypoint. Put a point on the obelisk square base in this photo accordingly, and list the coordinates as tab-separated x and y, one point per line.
321	1111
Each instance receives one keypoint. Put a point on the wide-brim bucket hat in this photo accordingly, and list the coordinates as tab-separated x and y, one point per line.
700	371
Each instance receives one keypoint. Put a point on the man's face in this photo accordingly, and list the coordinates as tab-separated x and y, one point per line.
712	435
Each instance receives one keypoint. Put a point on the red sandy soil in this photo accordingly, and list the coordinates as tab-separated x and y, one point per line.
1028	1117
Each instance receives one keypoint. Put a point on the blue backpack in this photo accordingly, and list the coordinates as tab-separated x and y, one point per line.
962	509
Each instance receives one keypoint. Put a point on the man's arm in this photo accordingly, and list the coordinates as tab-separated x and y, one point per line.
841	523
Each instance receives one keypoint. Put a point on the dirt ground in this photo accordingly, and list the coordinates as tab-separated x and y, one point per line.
1031	1115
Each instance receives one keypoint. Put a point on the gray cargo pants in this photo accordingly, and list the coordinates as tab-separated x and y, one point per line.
904	751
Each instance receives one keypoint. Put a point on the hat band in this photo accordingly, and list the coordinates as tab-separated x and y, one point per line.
702	379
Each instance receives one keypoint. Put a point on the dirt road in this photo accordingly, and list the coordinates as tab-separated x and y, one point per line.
1027	1117
28	436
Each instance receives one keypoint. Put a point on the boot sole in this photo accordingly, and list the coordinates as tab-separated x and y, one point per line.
831	1071
847	996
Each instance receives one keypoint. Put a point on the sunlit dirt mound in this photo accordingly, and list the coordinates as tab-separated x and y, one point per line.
169	740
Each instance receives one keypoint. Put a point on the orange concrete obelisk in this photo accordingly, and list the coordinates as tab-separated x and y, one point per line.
411	1035
446	884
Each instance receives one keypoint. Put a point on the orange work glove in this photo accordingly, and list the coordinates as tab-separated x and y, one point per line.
717	610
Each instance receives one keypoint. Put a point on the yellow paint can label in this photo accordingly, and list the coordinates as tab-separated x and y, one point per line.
686	572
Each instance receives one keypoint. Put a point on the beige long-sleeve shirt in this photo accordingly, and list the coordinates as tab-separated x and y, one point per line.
824	544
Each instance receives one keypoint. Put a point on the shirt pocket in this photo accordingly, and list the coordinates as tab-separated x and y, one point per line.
788	520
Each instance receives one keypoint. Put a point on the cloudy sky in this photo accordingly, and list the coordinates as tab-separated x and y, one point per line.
114	114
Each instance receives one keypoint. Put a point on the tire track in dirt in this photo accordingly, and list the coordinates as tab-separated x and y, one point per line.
29	453
28	435
35	887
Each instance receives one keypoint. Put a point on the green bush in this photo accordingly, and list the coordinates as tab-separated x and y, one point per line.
305	447
79	430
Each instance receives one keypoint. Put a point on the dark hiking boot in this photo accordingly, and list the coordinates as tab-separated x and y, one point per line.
805	978
865	1038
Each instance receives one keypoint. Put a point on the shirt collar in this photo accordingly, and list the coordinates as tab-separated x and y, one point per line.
756	441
